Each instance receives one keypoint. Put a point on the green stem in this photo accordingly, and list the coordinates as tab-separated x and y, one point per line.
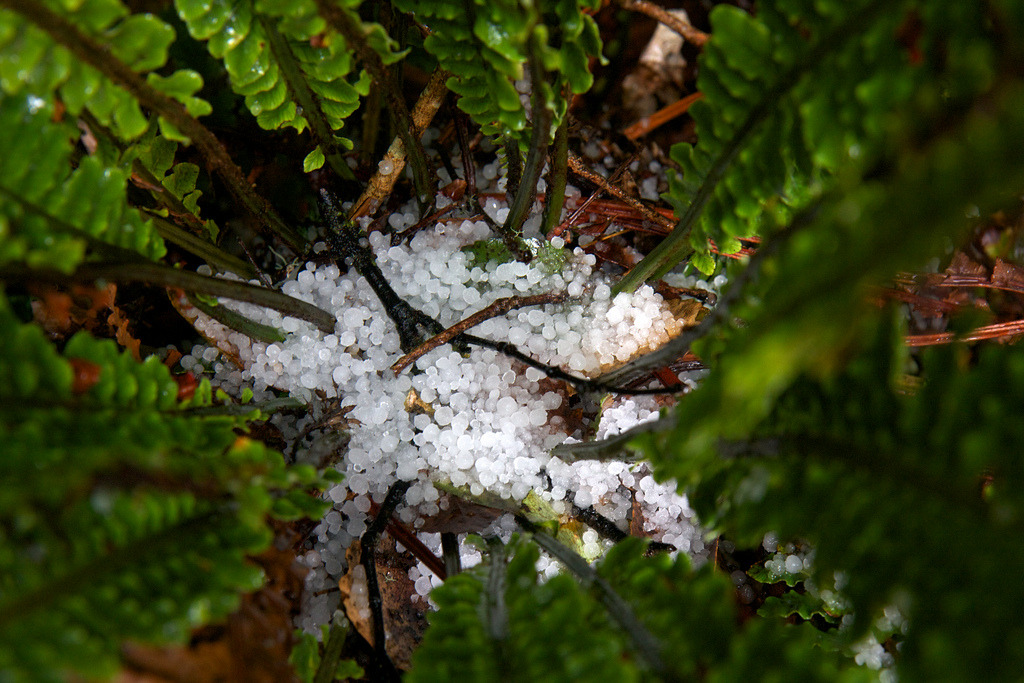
676	347
557	178
216	257
298	86
238	409
348	26
674	248
99	56
238	322
647	646
157	274
332	649
613	447
513	167
512	231
493	603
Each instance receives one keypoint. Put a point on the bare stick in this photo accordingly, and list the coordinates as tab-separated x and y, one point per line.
673	20
381	183
662	116
499	307
368	548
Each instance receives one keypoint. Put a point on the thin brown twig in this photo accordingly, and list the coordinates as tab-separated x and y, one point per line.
571	220
673	20
1012	328
413	544
381	183
499	307
662	116
424	222
346	23
580	168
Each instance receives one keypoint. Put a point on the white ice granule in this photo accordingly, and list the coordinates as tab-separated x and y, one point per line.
486	422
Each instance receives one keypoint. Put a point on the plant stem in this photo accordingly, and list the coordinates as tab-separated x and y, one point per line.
557	172
450	553
367	545
298	86
676	347
238	322
513	168
157	274
580	168
332	649
348	26
493	607
674	21
647	646
499	307
512	230
612	447
100	57
468	165
381	183
216	257
265	407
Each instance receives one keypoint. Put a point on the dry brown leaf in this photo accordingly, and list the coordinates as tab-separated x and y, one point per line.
1008	275
123	336
62	313
404	619
460	517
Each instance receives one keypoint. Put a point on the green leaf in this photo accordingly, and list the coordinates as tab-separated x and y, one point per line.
762	76
313	160
124	516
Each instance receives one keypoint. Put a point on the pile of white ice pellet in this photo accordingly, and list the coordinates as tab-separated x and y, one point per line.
483	422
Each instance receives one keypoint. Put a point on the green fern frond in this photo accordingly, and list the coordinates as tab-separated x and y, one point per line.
155	154
486	45
785	105
31	62
498	621
803	429
117	565
291	71
858	457
49	213
125	513
495	622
